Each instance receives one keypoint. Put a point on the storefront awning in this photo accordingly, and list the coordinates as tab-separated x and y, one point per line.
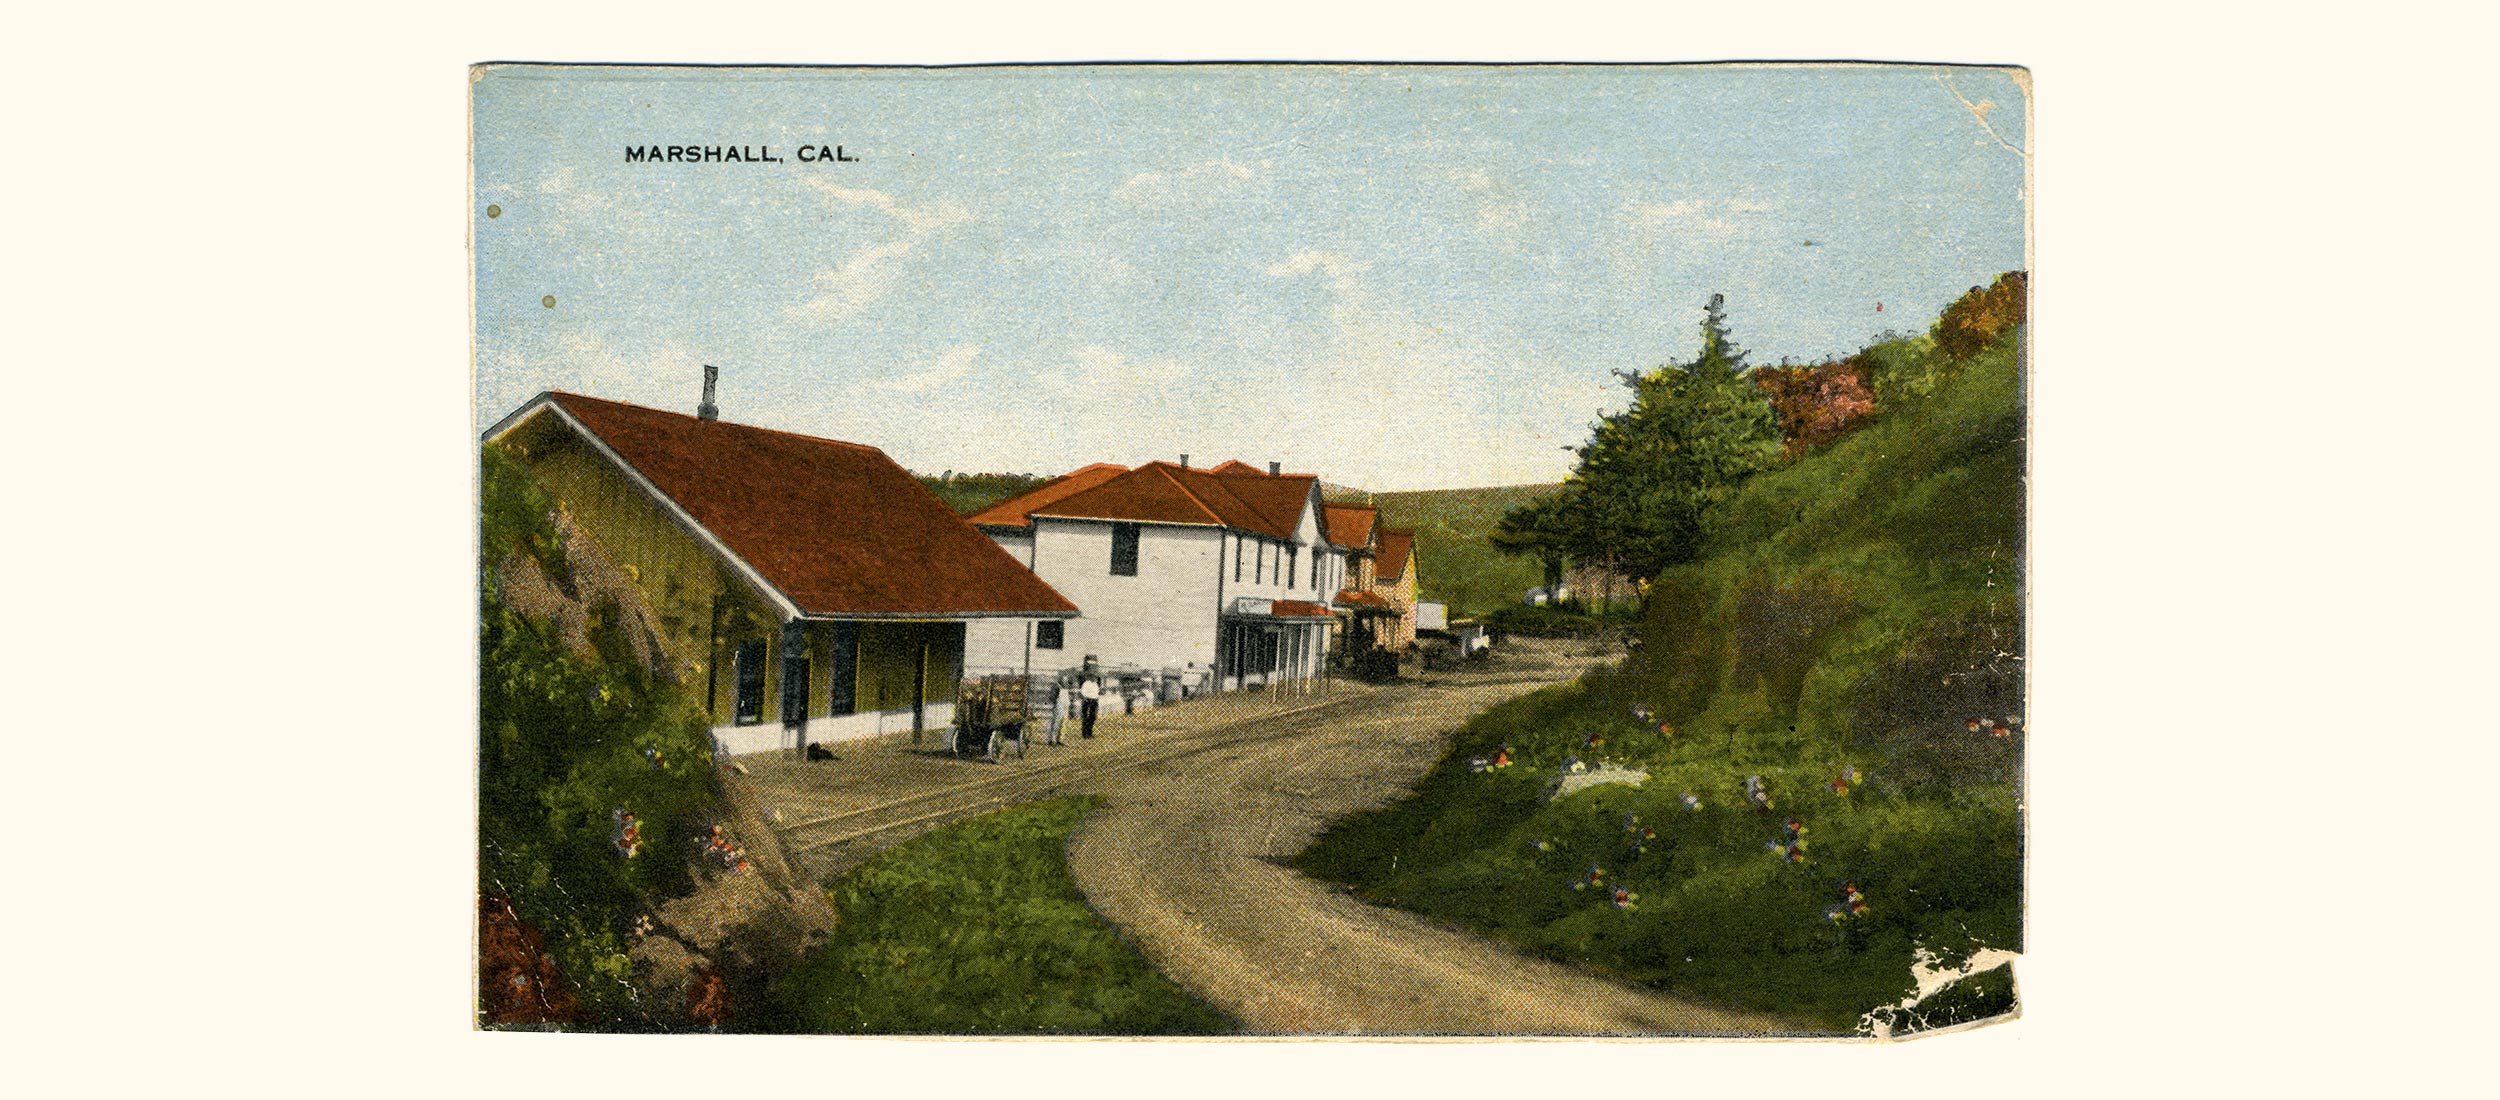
1252	607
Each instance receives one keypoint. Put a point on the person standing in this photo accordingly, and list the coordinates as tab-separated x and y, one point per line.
1089	697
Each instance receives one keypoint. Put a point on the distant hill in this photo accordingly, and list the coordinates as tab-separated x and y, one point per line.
969	493
1453	540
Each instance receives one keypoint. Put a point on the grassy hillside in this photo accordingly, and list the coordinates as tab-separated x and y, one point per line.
574	731
1853	610
969	493
1453	528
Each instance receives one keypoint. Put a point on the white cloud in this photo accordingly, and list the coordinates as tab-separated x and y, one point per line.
866	274
583	360
861	279
920	219
951	366
1718	217
1198	182
1100	369
1340	269
1502	219
1654	214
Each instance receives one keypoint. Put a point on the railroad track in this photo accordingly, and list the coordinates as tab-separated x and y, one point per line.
1025	781
818	840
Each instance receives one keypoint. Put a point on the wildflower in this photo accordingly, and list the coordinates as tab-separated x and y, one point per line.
1596	877
1624	898
1631	821
1541	844
1593	740
1691	802
1758	792
1852	903
1971	724
1796	829
1666	727
1641	711
1501	757
627	836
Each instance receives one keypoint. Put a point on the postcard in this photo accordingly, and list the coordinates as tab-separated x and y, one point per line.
1203	550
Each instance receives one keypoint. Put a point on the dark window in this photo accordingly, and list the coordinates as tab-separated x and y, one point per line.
1261	574
1237	541
1124	549
1050	634
841	689
1293	566
750	684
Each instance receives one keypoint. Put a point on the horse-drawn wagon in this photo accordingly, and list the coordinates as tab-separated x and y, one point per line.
1001	713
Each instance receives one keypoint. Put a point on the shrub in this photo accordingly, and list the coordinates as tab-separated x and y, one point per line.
566	742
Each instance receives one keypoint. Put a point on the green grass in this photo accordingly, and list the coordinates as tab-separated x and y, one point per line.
976	929
1852	608
1453	547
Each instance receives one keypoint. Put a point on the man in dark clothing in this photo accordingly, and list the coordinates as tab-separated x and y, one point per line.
1089	696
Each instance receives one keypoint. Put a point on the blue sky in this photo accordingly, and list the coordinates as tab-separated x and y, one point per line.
1397	277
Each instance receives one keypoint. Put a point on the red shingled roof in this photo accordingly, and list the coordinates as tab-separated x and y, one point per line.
1160	492
1349	525
1017	511
1394	546
838	528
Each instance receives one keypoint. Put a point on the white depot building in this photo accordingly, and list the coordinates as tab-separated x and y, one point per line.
1225	574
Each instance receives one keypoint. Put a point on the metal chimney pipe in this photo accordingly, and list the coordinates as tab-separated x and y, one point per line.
711	378
1184	461
1275	469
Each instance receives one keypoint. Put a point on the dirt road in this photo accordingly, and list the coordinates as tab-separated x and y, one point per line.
1204	803
1187	857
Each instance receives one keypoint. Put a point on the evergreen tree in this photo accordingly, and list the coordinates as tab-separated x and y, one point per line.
1650	475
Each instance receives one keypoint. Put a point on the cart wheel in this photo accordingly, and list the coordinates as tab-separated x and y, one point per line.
1024	745
997	748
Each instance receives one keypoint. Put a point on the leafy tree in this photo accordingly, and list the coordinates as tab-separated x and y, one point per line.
1541	528
1976	319
1649	476
1818	404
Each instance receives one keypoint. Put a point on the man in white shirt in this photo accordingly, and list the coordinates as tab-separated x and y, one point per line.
1089	696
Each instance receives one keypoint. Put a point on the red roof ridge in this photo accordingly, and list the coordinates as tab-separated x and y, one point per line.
823	527
734	424
1166	468
1015	511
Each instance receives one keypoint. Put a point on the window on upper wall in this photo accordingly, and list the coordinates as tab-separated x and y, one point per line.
1050	634
1260	573
1124	549
1293	566
1237	554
